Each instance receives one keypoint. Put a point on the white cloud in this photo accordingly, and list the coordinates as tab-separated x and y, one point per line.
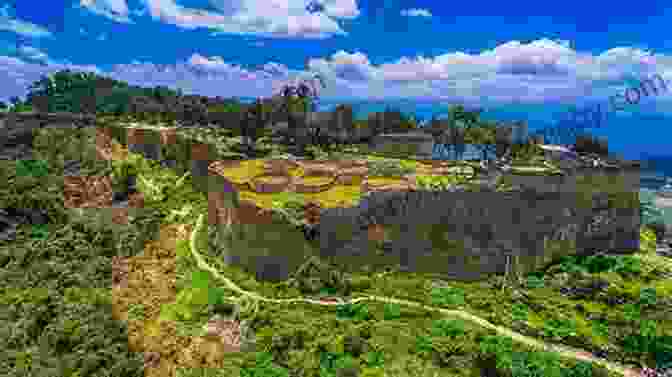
272	18
116	10
8	23
16	74
415	12
542	71
33	54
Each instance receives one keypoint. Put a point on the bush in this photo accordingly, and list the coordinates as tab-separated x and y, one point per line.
388	168
658	227
498	347
534	281
580	369
358	312
449	328
519	312
445	296
392	311
263	367
559	328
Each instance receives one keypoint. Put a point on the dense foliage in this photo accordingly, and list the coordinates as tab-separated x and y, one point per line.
56	318
84	92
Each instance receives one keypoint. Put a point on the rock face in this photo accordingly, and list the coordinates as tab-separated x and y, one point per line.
467	235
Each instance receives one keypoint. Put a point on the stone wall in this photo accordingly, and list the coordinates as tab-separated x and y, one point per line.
414	143
465	236
469	235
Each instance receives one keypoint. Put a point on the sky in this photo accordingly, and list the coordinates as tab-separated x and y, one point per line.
515	59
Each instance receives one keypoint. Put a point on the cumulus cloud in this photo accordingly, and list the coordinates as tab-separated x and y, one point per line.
33	54
272	18
210	76
27	29
539	71
17	73
116	10
542	71
415	12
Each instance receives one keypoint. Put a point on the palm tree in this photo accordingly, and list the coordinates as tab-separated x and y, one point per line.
482	137
460	122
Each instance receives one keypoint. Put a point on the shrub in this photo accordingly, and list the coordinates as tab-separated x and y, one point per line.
263	367
534	364
374	359
559	328
358	311
392	311
499	347
647	296
580	369
628	266
449	328
388	168
434	183
534	281
658	227
519	312
33	168
423	345
447	296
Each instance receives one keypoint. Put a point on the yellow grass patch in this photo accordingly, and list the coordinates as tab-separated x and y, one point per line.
334	197
316	180
245	171
382	181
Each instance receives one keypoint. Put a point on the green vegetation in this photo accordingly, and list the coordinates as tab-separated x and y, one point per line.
56	297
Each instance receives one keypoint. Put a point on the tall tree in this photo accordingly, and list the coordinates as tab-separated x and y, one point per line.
298	100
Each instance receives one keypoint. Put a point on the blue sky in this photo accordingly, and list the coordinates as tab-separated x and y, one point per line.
517	58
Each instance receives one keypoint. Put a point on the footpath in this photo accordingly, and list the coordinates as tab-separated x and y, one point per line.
563	351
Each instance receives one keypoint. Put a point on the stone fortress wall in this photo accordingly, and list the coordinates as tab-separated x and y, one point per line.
461	235
472	235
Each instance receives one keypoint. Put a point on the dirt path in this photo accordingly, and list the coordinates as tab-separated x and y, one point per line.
564	351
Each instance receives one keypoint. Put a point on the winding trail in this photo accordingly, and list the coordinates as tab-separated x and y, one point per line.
564	351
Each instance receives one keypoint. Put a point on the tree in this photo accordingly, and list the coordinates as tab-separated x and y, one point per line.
483	137
254	120
503	140
454	129
65	90
297	101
